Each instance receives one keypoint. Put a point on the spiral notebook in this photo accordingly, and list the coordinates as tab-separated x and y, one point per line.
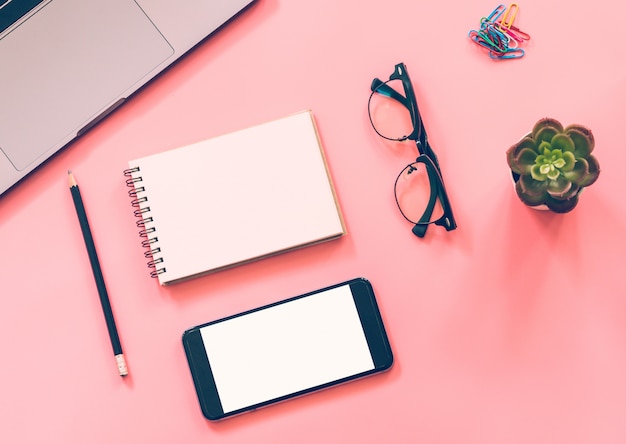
233	199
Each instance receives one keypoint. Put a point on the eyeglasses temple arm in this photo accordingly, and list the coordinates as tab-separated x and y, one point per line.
447	221
422	224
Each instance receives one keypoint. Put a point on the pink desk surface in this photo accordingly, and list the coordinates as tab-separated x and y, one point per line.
511	329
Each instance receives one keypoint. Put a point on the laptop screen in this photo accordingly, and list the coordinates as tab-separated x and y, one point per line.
12	10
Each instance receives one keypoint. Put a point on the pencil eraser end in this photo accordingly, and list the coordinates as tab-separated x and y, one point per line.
121	365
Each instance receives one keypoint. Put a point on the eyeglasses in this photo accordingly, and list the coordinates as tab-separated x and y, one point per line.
419	190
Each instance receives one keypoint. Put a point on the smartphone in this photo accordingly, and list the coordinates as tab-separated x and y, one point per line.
287	349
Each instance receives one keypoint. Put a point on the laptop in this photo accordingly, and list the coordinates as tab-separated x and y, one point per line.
66	64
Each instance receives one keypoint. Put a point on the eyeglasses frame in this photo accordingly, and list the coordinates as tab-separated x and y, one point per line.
426	156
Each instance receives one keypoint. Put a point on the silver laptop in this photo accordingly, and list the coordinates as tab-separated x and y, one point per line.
65	64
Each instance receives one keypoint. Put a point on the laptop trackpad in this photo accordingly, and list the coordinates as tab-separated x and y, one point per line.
65	72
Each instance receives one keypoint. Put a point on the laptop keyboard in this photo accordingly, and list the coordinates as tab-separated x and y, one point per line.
12	10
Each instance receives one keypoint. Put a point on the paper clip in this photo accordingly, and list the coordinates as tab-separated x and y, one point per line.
506	24
511	53
495	14
509	16
498	40
489	37
517	34
498	35
482	39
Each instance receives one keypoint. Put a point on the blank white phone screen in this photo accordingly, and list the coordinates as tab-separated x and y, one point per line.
286	348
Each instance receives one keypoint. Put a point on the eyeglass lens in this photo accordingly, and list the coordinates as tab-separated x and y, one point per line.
390	117
413	194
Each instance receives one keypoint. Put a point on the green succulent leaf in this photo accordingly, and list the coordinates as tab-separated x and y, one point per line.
514	152
573	190
544	168
547	122
536	173
562	142
555	154
553	173
583	139
525	160
578	173
531	187
529	198
559	163
545	134
569	161
559	187
544	148
594	172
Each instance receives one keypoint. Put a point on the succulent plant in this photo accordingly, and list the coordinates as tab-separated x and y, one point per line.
552	164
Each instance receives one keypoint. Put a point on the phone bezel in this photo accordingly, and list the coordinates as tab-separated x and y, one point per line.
373	328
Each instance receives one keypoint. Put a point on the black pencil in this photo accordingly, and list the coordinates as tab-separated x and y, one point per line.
97	274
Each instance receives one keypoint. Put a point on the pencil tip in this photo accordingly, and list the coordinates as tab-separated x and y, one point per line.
71	178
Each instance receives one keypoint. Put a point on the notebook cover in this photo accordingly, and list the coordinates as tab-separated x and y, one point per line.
235	198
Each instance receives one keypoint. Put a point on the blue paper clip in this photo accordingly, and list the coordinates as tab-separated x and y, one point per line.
511	53
495	15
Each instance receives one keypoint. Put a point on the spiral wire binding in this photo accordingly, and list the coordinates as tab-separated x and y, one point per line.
139	202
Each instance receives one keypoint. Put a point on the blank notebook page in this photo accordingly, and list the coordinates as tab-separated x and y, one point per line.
237	197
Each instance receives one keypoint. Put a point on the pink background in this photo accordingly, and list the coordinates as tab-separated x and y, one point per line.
510	329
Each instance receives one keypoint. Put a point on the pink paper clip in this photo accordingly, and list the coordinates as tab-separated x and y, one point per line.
517	34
